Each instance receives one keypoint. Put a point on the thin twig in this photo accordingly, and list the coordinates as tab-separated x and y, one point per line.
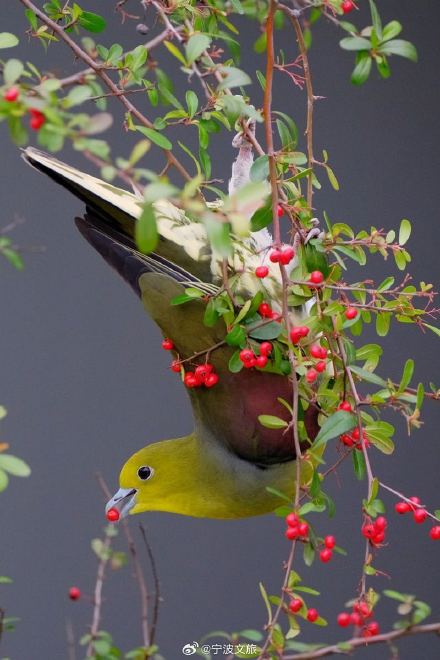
357	642
156	584
85	57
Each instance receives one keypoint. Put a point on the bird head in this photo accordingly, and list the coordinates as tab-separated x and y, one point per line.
155	478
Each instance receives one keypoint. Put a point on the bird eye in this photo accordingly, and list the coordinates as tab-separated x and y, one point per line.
145	472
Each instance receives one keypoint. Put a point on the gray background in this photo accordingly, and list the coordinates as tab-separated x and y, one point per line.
86	383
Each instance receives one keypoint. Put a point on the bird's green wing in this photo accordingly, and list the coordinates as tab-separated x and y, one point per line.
227	413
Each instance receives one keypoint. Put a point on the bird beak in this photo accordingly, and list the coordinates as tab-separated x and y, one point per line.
124	500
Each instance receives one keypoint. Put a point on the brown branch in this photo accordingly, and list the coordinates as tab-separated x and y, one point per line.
310	101
156	584
97	597
357	642
79	52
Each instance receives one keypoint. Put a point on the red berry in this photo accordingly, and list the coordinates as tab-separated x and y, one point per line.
261	361
345	405
167	344
262	271
351	313
303	529
246	355
325	555
344	619
295	335
434	533
292	519
275	256
415	500
311	375
210	380
292	533
356	619
265	348
402	507
176	366
347	6
316	277
380	523
378	538
320	366
74	593
316	351
312	615
12	94
191	380
295	605
304	331
330	542
37	119
202	370
286	255
420	515
280	211
113	515
265	310
368	531
363	609
372	629
347	440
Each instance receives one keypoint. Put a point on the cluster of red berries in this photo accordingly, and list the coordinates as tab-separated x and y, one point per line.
203	375
319	353
298	332
249	359
266	311
347	6
296	604
74	593
37	120
113	515
375	532
327	552
353	439
295	528
283	255
358	617
419	514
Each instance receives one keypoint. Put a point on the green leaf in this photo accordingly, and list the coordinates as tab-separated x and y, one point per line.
92	22
362	69
146	230
260	169
386	284
236	337
433	328
383	320
355	43
233	77
272	422
266	601
377	23
391	30
175	51
219	236
335	425
192	102
155	137
195	46
13	465
8	40
420	396
396	595
4	480
358	464
261	218
408	372
404	231
270	330
399	47
12	71
380	440
368	376
235	364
